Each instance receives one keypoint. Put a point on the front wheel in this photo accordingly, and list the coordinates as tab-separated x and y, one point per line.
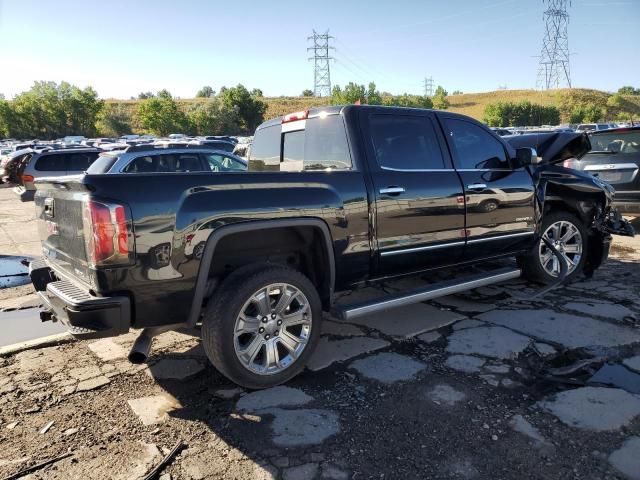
569	237
262	325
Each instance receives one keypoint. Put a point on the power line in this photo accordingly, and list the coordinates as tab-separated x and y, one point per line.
428	87
321	60
553	68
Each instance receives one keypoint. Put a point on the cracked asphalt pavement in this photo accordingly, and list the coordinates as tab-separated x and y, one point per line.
484	384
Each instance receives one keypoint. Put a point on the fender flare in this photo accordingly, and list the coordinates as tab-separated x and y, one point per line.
242	227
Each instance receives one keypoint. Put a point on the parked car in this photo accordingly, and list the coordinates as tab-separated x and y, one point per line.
10	164
167	158
615	159
326	206
49	163
592	127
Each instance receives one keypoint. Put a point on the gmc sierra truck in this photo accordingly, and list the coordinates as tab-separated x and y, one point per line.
160	238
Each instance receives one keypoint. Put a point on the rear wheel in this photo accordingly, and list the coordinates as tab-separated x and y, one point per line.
262	325
569	237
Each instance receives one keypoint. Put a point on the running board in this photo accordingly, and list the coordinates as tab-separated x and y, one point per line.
429	293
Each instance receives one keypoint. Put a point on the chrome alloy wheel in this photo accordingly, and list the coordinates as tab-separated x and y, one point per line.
272	329
567	239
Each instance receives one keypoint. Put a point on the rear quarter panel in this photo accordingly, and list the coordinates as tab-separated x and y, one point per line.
168	207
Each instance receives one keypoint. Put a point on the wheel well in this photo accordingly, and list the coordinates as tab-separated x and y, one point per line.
580	204
302	248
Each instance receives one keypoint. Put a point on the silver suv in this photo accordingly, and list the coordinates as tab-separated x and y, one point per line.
49	163
168	158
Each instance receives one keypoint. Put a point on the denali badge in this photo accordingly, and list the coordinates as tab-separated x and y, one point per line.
52	227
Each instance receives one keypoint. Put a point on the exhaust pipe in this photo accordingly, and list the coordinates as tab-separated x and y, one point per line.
141	347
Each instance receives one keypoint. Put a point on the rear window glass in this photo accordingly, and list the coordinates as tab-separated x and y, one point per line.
322	145
265	149
623	143
222	163
80	162
179	162
51	163
103	164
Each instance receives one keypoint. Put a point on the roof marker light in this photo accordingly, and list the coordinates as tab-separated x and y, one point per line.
292	117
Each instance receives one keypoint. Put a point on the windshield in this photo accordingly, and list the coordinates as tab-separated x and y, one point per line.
623	143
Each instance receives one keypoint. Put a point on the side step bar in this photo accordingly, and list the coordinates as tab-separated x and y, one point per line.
430	292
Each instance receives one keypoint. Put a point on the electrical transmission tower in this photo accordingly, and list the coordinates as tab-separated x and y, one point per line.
321	59
553	68
428	87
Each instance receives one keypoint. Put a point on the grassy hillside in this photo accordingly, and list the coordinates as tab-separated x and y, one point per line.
472	104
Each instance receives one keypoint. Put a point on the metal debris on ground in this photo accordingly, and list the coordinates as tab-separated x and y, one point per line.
165	461
37	466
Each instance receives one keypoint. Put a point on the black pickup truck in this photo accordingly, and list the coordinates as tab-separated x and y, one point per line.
333	198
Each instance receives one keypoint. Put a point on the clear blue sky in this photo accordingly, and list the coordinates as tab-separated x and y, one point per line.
124	47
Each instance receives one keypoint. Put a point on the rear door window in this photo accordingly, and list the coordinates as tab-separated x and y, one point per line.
405	142
222	163
51	163
180	162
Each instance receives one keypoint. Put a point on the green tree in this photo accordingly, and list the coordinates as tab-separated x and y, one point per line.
406	100
628	90
145	95
49	110
256	92
440	100
352	93
373	95
210	117
250	110
586	113
457	92
161	115
114	120
525	113
205	92
307	93
441	91
6	117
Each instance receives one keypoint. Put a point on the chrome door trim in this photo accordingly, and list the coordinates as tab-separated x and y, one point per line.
453	244
501	237
421	249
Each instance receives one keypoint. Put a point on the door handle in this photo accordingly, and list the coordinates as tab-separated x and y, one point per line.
392	190
476	186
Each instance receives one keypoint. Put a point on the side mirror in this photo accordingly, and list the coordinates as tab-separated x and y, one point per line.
526	156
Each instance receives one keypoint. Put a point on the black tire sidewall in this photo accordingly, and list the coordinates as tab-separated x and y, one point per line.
219	322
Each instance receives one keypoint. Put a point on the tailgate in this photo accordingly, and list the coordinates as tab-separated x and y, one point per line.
59	207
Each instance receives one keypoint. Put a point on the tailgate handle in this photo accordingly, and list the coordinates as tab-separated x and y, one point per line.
48	207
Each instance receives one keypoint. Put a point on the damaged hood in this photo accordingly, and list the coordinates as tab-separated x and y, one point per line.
553	147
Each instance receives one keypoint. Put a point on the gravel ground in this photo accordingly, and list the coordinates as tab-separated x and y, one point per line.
479	385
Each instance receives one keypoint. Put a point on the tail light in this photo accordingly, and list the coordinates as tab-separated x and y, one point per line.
27	178
108	234
189	238
571	163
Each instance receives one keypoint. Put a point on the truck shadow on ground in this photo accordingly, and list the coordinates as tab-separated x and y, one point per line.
337	418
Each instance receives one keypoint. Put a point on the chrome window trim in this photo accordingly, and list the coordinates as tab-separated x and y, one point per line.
418	169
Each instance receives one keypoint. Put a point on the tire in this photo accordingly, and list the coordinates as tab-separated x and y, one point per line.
247	358
574	247
488	206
